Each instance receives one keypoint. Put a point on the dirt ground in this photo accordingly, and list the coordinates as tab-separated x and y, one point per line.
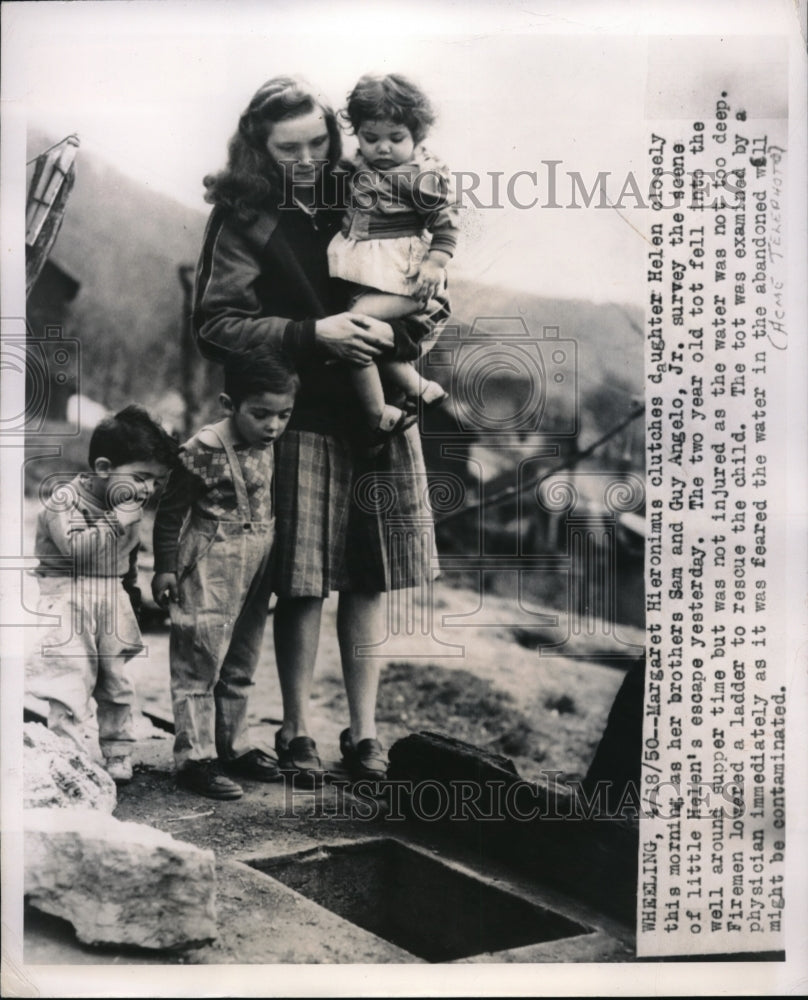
482	685
458	661
455	662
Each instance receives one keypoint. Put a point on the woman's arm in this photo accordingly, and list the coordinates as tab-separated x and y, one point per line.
227	314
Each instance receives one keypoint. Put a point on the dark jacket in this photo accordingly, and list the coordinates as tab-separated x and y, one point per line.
269	280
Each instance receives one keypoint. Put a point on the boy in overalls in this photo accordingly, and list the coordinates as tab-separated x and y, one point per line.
213	537
87	541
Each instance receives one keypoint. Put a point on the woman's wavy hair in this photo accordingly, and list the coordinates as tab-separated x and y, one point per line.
252	179
389	98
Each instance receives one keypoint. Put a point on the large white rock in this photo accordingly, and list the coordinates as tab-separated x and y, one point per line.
119	883
57	774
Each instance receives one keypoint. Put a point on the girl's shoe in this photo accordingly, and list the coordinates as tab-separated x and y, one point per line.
365	759
433	394
376	441
299	760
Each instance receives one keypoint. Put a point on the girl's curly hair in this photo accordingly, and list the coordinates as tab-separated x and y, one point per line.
389	98
252	179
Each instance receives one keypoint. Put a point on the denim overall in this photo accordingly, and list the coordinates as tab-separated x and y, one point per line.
217	626
83	658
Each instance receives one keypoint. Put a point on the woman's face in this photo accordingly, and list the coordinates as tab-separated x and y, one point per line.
300	147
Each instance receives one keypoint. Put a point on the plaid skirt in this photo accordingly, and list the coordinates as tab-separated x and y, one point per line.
348	523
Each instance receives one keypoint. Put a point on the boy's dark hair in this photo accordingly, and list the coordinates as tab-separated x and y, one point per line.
261	369
390	98
132	436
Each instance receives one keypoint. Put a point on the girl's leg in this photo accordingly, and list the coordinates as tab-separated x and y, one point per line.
403	375
367	381
386	306
361	622
297	636
368	386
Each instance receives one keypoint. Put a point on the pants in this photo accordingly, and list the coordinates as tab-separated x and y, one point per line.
217	628
83	657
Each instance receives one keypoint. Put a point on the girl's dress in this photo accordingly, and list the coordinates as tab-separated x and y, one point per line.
393	219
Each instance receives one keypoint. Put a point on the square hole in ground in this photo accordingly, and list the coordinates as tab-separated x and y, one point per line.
415	901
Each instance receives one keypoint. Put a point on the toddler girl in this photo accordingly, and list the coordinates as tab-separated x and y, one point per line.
399	233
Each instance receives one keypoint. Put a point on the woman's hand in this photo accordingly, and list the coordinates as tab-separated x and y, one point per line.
353	337
164	589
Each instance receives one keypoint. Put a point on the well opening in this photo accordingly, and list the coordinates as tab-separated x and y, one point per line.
416	901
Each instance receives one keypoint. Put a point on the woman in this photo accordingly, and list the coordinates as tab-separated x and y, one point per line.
263	276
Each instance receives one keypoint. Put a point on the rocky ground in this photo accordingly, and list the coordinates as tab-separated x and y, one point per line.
474	676
467	663
484	685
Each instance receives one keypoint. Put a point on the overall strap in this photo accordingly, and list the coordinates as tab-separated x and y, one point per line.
238	477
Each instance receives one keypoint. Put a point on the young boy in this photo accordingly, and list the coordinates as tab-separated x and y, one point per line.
212	540
87	540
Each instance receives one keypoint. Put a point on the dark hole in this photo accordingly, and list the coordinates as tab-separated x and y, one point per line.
415	901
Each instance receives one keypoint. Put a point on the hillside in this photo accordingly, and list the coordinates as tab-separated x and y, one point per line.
124	243
609	337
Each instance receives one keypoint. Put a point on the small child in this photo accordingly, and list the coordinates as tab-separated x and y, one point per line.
87	540
213	536
398	235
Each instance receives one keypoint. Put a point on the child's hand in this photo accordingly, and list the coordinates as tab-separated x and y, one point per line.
431	279
164	589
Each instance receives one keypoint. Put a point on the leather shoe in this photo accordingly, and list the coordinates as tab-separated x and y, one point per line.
255	765
299	759
205	778
366	759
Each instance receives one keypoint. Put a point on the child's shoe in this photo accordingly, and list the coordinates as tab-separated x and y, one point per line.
119	769
255	765
433	394
205	778
392	421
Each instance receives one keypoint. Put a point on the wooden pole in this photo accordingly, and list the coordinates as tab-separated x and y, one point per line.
54	176
189	358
